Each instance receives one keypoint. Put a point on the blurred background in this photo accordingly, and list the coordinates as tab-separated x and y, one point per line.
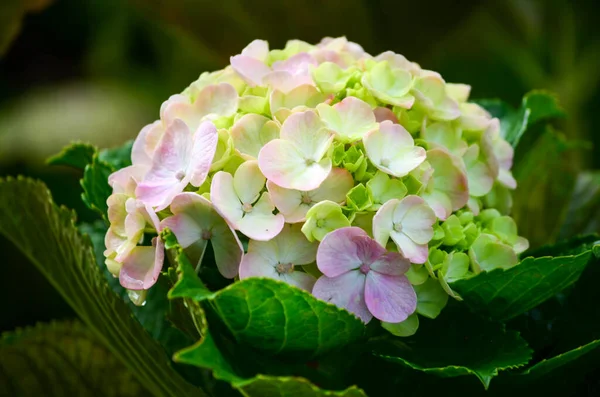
98	70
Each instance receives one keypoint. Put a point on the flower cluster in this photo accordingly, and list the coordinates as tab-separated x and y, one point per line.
358	178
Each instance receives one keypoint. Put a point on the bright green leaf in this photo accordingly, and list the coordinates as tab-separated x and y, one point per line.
504	294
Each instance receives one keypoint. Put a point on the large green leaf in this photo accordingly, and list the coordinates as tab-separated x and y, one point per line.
76	155
457	343
271	316
504	294
48	237
277	318
61	359
205	353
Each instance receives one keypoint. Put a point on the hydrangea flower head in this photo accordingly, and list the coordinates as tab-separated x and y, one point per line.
375	170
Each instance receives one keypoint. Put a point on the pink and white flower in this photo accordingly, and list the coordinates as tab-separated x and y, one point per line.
239	200
349	119
363	278
297	160
447	190
195	223
294	204
181	158
409	223
280	257
392	149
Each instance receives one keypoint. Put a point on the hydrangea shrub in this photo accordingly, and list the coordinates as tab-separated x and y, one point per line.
364	180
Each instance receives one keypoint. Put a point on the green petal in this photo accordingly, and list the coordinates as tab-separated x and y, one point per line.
323	218
407	327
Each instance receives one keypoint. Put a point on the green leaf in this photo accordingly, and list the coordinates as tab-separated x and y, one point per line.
117	157
278	318
96	189
547	366
206	354
48	237
60	359
457	343
537	105
76	155
504	294
271	386
271	316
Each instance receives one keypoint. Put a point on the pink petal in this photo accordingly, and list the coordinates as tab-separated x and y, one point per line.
392	150
297	64
225	199
440	203
126	179
282	163
251	132
391	263
285	81
416	253
248	182
257	49
196	221
142	267
288	202
335	187
383	221
184	227
301	280
449	177
307	132
250	69
139	155
205	146
338	252
418	221
257	264
216	100
384	114
389	298
260	223
367	249
293	247
170	161
347	291
176	107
